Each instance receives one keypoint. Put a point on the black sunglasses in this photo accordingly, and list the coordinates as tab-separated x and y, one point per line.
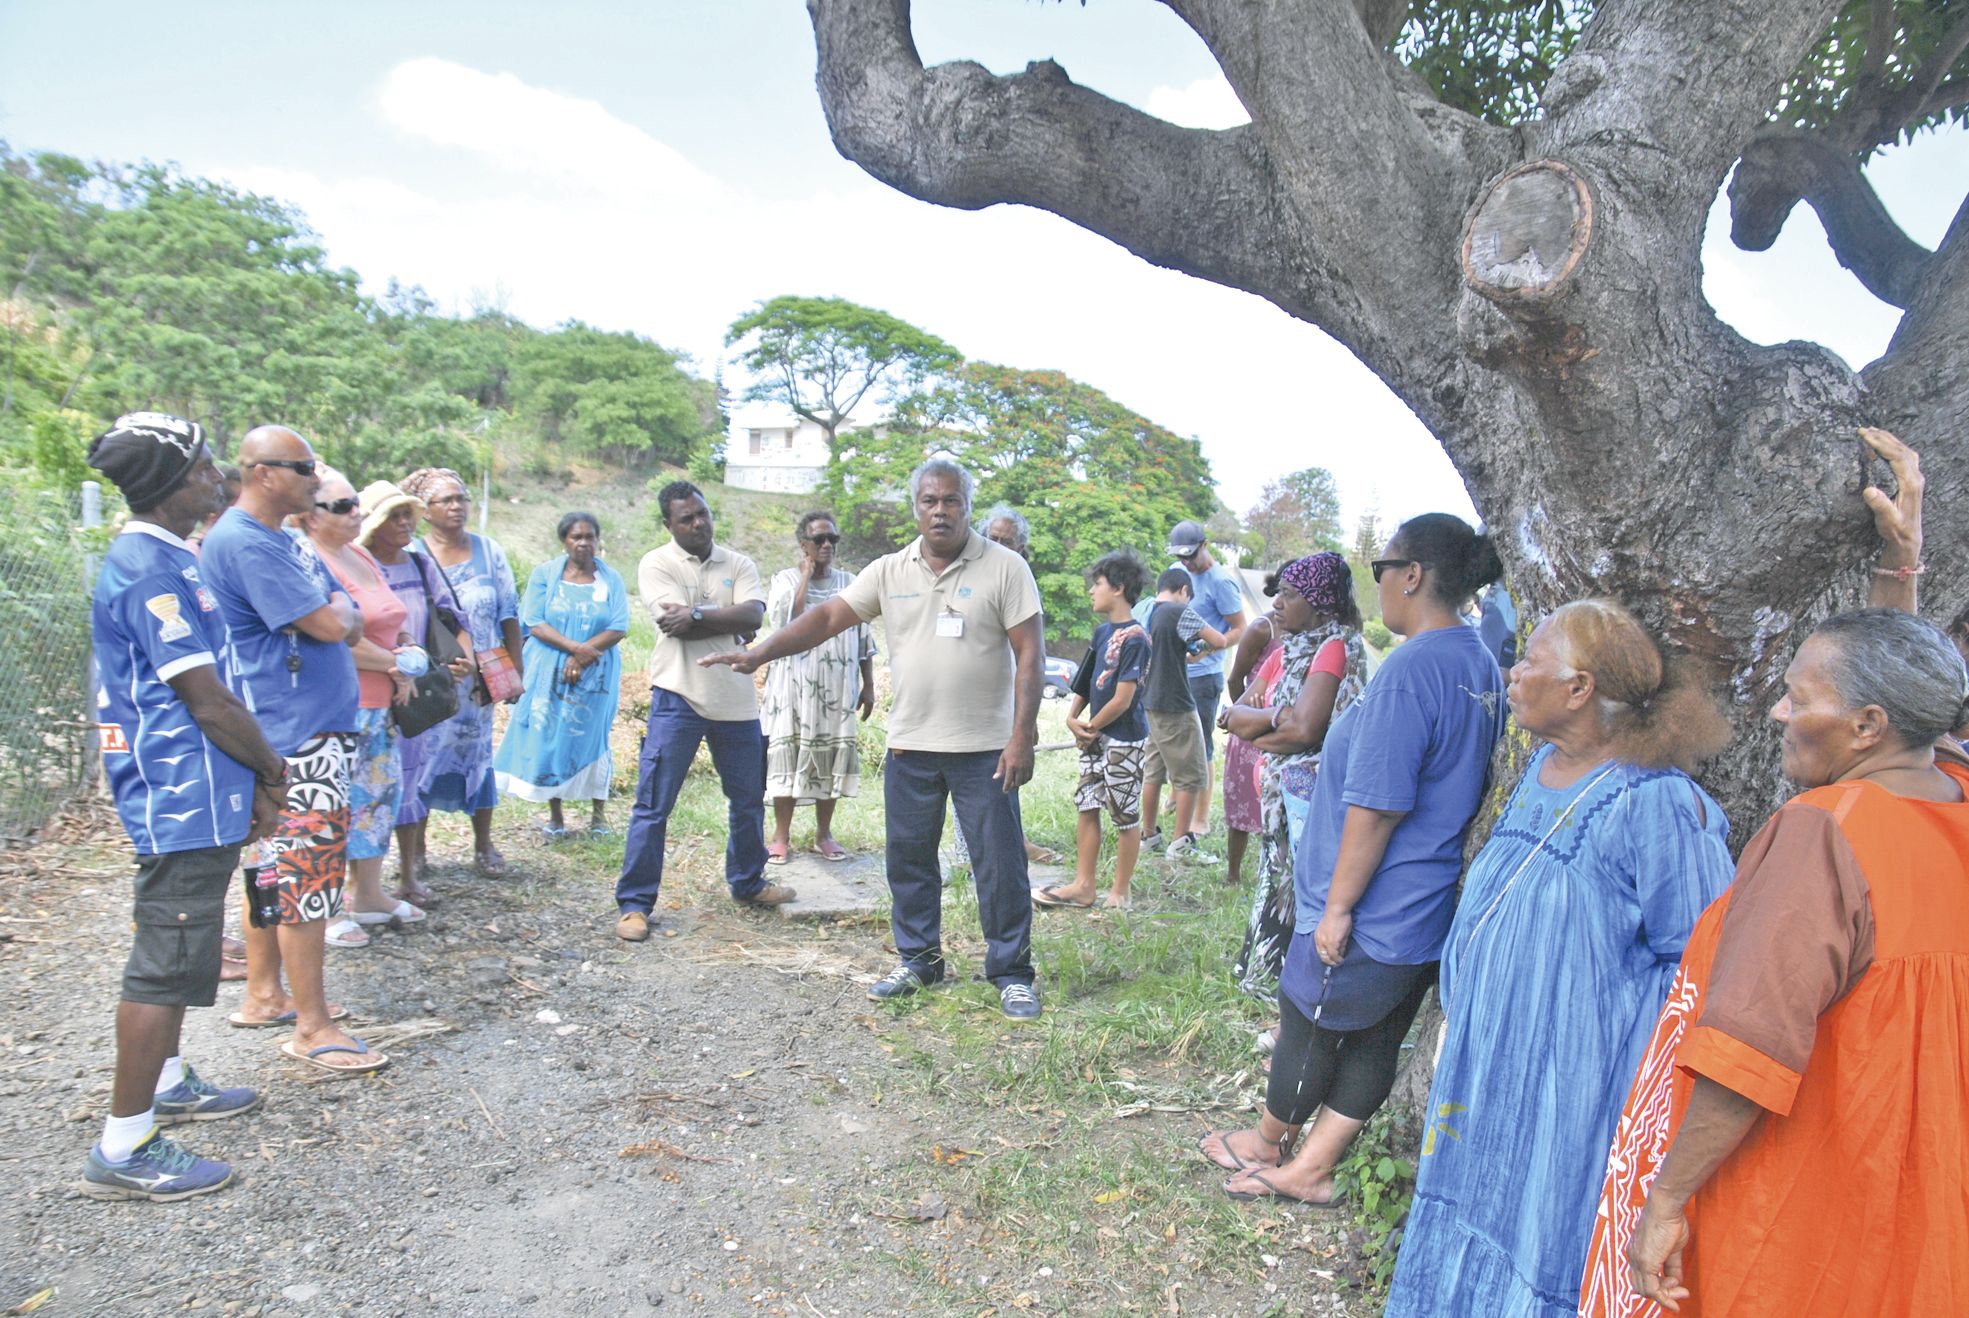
300	467
1380	565
825	539
339	506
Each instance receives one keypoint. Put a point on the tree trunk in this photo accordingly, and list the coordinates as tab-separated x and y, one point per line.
1533	294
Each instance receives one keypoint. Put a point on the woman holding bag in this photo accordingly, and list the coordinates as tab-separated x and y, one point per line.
376	781
557	743
389	525
478	583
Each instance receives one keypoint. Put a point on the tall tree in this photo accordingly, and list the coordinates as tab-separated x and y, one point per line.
1517	257
825	356
1089	474
1297	514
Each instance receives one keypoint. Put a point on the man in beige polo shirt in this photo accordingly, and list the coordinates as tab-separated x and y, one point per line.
966	664
701	594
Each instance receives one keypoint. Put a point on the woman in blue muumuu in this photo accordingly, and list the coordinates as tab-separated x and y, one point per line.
576	612
1572	923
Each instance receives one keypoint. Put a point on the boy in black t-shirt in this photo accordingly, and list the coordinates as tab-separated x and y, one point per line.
1112	737
1175	751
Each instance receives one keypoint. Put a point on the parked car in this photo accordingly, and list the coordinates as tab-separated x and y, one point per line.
1059	678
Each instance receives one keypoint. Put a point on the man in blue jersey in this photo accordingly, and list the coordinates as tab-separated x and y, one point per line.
193	778
291	628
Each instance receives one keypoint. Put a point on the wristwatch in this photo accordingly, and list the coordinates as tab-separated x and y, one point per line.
697	613
275	783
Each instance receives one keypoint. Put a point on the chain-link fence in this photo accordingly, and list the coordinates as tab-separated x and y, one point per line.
47	724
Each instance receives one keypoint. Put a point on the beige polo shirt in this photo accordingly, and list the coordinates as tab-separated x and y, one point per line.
669	575
951	667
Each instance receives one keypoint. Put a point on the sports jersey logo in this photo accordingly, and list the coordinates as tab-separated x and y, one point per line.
171	624
205	600
109	739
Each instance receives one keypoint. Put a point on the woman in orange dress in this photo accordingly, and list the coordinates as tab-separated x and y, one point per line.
1797	1140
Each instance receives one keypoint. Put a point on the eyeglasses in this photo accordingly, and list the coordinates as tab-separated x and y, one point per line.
300	467
448	501
825	539
339	506
1380	565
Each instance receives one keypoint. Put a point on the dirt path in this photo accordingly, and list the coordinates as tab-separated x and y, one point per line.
713	1122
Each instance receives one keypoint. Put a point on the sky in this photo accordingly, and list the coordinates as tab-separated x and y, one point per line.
664	167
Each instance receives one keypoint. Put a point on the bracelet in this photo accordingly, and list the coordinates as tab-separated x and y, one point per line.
1276	711
1901	573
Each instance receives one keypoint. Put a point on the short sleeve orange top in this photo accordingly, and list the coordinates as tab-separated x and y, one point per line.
1830	985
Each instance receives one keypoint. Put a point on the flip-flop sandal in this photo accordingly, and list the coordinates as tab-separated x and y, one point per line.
313	1056
1273	1192
1223	1137
1044	856
776	853
345	933
553	834
490	866
1047	899
839	852
239	1022
420	897
1110	904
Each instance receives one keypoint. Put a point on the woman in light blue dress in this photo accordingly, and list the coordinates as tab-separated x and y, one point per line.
1571	925
478	581
556	747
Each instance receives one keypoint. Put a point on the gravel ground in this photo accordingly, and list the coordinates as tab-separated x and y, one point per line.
706	1123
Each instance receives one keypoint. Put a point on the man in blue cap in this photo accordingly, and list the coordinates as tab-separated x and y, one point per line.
193	779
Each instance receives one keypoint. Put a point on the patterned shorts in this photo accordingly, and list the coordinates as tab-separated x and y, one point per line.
1111	780
309	849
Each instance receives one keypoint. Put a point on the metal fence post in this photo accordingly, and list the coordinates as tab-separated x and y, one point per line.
92	517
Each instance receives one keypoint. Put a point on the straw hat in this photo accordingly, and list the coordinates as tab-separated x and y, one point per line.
379	500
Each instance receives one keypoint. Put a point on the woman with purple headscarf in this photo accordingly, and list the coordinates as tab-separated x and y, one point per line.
1321	668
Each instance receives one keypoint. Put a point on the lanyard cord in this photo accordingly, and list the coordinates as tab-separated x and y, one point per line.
1525	864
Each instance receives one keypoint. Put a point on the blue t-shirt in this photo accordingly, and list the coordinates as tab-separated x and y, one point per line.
1418	739
1215	595
1119	653
264	581
151	620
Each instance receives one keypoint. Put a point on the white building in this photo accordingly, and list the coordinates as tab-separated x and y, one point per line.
770	448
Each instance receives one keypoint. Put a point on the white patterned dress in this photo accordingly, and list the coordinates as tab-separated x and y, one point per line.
809	707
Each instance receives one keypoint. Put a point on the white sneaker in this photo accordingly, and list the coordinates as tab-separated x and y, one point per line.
1187	849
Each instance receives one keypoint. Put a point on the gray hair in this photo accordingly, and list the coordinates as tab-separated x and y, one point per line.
1904	664
1005	512
942	467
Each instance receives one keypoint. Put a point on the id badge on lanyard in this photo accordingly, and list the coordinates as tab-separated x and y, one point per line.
950	623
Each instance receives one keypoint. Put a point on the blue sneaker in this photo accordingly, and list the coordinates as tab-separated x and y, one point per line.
193	1099
1019	1002
904	980
159	1171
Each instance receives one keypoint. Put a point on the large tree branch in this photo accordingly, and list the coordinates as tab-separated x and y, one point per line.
1782	167
1211	204
1631	75
1322	90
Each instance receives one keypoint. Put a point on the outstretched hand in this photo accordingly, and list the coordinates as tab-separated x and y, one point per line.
744	661
1896	518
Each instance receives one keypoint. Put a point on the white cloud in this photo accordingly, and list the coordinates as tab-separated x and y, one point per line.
1205	103
531	130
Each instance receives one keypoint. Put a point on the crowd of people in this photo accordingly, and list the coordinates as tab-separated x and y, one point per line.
1664	1081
